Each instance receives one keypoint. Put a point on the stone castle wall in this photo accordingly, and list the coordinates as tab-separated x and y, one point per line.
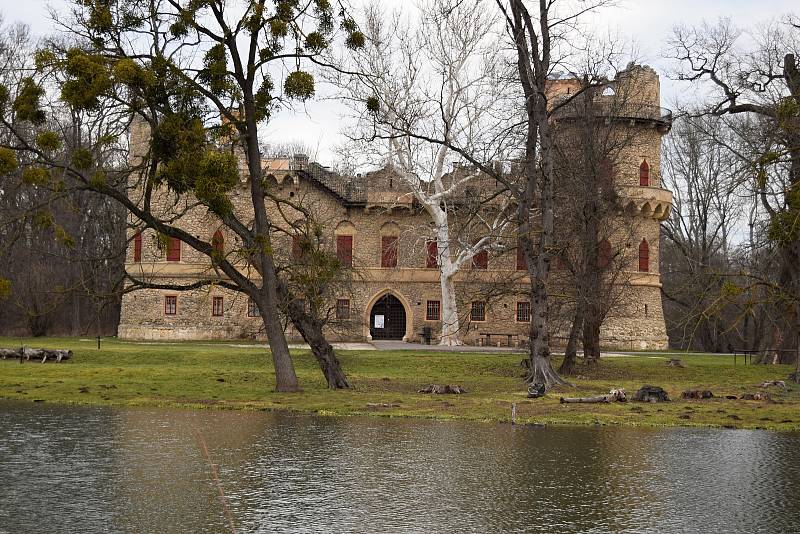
635	322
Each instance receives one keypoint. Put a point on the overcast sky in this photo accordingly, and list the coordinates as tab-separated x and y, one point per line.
647	22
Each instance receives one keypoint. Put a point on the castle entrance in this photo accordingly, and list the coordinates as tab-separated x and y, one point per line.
387	320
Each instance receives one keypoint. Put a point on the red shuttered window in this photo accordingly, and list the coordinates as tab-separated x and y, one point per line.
481	260
521	258
389	251
174	249
344	250
644	173
218	243
644	256
432	255
137	247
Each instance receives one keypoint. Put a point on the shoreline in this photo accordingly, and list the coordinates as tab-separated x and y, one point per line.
223	377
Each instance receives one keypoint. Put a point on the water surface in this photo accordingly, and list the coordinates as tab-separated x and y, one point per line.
76	469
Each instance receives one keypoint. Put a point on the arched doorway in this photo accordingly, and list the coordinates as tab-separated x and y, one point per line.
387	319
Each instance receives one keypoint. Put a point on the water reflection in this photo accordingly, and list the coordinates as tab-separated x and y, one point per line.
68	469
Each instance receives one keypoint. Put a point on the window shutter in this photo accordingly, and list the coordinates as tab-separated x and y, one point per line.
644	174
389	251
137	247
174	249
344	250
644	256
432	258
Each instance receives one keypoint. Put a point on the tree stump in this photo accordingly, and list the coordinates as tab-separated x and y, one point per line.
536	390
697	394
651	394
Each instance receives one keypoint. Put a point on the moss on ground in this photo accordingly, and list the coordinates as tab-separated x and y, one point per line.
385	383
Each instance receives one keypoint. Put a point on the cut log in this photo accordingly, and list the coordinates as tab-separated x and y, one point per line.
768	383
615	395
651	394
675	362
442	390
697	394
756	396
26	354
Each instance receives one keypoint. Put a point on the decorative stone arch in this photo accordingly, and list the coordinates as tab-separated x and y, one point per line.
406	305
658	213
345	228
647	210
390	228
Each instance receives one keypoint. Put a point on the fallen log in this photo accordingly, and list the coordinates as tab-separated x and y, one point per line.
442	390
697	394
675	362
26	354
769	383
615	395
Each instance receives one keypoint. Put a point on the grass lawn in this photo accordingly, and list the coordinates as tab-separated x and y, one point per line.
240	377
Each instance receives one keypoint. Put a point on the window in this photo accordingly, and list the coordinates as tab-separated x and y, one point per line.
137	247
644	256
252	309
524	312
433	311
342	309
521	258
604	253
644	173
432	257
218	243
481	260
173	249
478	311
389	251
216	307
344	250
171	305
606	173
297	251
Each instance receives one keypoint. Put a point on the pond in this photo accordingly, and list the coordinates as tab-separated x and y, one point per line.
83	469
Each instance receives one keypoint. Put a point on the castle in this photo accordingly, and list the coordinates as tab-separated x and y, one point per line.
372	223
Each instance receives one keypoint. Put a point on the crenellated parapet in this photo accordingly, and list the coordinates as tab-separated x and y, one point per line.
647	202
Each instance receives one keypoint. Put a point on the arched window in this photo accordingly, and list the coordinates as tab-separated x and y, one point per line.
644	256
604	253
218	243
137	247
644	173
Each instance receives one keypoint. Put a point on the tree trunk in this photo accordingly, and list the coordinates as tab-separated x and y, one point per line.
322	350
571	352
451	332
285	376
591	340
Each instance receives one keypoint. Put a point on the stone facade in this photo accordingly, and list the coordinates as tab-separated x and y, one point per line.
376	206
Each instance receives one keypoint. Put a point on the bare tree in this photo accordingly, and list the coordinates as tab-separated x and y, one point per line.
760	80
416	92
